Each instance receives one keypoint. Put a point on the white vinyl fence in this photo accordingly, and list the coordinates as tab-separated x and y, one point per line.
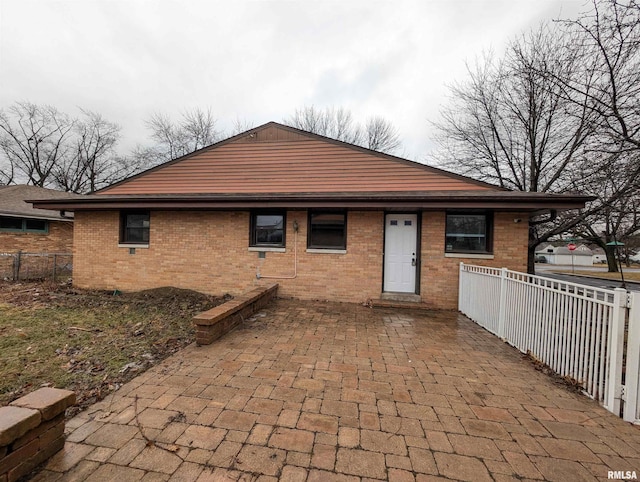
578	331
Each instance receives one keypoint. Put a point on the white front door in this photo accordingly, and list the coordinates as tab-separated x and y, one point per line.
400	253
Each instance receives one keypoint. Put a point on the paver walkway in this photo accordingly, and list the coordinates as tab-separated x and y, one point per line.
326	391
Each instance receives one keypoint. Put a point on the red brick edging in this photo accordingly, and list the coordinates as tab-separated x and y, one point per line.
32	430
214	323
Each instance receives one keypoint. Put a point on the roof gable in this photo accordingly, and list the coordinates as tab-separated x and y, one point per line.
274	158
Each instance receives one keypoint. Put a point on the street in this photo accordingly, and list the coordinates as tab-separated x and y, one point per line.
546	271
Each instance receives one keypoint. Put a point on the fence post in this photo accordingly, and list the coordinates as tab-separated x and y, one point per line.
461	288
55	263
616	347
502	308
16	266
633	361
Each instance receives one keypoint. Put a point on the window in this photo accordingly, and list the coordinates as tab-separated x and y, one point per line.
267	229
35	225
24	225
469	233
327	230
134	227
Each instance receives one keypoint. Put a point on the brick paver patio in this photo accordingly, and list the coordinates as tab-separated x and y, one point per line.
326	391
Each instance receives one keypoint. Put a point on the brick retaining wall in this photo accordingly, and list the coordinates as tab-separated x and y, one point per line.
32	430
214	323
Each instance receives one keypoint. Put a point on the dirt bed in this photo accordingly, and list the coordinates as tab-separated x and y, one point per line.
90	342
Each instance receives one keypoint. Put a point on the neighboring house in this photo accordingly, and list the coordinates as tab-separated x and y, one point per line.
23	228
562	255
543	251
599	256
325	219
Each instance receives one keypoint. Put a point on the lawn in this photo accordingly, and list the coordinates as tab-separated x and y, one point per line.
88	341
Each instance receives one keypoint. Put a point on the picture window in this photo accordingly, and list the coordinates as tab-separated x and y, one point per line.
469	233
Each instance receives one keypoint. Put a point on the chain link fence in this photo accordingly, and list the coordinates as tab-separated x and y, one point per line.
30	266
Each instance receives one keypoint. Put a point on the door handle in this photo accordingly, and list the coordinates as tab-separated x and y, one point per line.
413	261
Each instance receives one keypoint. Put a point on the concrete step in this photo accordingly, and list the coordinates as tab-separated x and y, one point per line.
411	305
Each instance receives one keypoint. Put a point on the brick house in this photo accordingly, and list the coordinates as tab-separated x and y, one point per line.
324	219
24	228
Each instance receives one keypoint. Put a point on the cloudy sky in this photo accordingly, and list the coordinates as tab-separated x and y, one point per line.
254	60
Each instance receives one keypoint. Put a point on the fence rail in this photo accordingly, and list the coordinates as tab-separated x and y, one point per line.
576	330
26	266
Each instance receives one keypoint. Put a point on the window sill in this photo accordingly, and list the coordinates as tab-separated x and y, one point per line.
326	251
468	255
269	249
132	245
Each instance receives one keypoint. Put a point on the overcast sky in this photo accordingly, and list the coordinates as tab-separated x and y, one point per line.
253	60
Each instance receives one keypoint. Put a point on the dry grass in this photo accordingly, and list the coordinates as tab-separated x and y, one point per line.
632	276
88	341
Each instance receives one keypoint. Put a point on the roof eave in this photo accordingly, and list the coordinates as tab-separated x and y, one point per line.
46	217
397	202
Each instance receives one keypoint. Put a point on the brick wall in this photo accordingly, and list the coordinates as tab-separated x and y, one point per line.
439	274
208	251
59	239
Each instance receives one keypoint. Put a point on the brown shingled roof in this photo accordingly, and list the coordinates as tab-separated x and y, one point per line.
13	202
274	158
275	166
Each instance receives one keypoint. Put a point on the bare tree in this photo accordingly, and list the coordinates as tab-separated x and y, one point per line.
607	42
195	130
42	146
618	218
502	125
241	125
381	135
559	113
33	140
199	127
377	134
92	161
330	122
7	173
510	125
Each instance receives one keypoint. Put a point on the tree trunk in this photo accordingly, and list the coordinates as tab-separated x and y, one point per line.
531	260
609	251
612	263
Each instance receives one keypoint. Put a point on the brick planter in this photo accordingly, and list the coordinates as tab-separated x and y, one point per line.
32	430
214	323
